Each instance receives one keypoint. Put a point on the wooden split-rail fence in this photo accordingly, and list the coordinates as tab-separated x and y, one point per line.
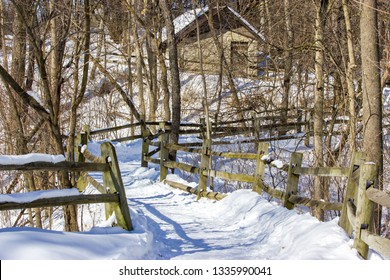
112	192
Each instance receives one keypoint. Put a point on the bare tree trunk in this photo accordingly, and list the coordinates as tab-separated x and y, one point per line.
153	89
372	97
100	43
140	78
165	88
174	72
129	50
205	98
287	64
59	28
18	114
79	90
319	188
351	64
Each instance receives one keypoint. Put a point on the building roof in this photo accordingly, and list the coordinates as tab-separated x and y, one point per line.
224	18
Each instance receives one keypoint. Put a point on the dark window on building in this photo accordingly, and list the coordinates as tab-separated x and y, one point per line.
239	58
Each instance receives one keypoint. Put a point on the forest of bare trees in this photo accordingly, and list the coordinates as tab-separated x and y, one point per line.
68	63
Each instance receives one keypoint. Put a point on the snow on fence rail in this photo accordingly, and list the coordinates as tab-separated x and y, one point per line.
112	192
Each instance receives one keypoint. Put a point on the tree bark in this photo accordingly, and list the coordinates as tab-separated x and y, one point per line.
174	72
351	65
372	97
287	64
319	188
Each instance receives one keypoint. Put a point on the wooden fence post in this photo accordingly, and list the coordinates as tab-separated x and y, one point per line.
365	207
112	180
204	166
164	152
82	139
262	150
145	143
351	191
292	179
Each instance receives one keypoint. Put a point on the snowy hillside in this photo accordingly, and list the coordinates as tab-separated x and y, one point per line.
170	224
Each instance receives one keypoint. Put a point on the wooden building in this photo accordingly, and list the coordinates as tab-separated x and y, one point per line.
240	41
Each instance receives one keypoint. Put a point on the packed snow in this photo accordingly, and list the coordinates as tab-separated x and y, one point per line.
31	196
171	224
30	158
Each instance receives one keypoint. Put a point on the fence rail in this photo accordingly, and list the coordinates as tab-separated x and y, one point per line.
294	170
112	192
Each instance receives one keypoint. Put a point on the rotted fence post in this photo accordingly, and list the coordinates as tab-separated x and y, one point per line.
164	152
204	166
262	150
112	180
365	207
82	139
351	190
145	142
292	179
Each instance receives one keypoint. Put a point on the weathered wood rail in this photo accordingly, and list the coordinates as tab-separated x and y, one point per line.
112	192
294	169
253	126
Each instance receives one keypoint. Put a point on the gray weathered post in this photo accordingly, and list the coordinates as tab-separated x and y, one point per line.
351	191
364	207
164	152
260	167
145	142
292	179
82	139
204	166
112	180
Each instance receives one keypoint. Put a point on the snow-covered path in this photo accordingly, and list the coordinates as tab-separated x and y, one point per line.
242	226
